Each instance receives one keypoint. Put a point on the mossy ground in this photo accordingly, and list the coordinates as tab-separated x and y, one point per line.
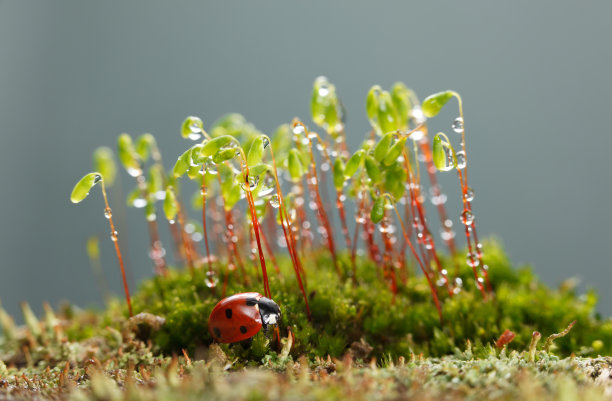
377	348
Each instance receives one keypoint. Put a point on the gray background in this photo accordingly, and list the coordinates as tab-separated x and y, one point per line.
535	78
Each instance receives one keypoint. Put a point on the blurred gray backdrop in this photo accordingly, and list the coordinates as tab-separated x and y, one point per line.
534	76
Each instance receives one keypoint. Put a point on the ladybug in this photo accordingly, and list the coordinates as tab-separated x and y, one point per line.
241	316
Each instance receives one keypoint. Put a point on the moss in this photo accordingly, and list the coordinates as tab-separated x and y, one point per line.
344	312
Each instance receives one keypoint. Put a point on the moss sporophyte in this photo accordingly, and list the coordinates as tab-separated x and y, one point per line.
267	207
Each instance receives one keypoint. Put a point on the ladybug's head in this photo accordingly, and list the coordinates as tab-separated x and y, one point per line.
269	311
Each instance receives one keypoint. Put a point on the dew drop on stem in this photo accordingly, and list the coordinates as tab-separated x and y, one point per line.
211	279
461	160
457	125
298	130
108	213
469	194
467	217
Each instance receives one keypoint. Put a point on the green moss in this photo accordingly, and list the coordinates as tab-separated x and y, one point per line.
344	312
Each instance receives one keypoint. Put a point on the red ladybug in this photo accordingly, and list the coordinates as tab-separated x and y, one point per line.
241	316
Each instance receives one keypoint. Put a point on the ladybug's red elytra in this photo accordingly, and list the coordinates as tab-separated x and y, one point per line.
241	316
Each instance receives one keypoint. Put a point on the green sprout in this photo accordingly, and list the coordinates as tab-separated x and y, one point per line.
79	193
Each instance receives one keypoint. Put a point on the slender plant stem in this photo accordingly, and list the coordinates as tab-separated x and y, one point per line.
114	236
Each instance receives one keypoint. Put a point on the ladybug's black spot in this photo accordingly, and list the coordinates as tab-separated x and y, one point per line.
243	329
228	313
217	332
251	302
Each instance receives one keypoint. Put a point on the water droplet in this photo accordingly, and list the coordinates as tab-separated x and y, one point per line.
447	234
461	160
360	218
472	260
210	166
299	130
114	236
266	142
457	125
323	90
275	201
428	242
97	178
211	279
438	199
268	186
417	114
253	181
467	217
417	135
448	223
139	203
134	172
108	213
441	282
151	217
469	194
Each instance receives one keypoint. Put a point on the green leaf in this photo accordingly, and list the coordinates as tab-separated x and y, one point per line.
353	163
85	184
339	174
150	211
256	151
194	171
104	162
433	103
387	115
395	152
378	210
443	153
192	128
231	194
259	169
93	248
224	155
281	140
134	197
214	145
182	163
400	95
372	169
155	181
372	103
324	105
294	165
170	206
196	154
128	155
382	147
145	145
